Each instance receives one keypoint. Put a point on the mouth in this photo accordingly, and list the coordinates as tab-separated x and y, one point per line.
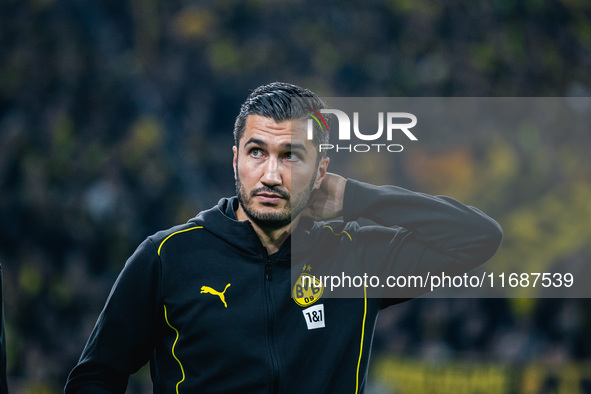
269	198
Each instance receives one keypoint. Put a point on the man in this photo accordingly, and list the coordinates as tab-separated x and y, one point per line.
209	303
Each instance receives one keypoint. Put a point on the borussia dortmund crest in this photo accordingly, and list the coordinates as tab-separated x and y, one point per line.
307	289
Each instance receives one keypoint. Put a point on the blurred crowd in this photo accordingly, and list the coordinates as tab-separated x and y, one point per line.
116	121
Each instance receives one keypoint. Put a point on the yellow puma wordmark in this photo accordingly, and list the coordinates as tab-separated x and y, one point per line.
207	289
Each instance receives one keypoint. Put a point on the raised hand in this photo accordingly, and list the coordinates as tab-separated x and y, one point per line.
326	202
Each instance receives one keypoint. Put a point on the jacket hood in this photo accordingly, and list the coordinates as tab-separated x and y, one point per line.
221	221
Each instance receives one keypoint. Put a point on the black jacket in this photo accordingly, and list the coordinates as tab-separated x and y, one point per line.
214	313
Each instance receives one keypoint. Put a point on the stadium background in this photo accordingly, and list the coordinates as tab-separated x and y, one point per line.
116	119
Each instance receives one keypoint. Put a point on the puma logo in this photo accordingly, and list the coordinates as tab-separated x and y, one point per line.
207	289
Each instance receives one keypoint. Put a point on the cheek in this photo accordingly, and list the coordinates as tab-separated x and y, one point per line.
300	178
246	172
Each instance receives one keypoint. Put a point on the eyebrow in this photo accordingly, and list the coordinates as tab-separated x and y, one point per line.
255	141
288	146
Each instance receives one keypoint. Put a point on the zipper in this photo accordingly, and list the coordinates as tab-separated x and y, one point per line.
270	324
268	271
268	295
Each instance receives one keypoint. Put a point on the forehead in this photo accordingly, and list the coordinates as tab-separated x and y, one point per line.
266	129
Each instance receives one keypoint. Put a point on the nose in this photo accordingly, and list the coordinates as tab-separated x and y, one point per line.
272	175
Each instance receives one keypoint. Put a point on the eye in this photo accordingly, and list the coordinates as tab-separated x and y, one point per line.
292	156
256	153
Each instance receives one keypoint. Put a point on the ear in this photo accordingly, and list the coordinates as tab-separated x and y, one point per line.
321	172
235	160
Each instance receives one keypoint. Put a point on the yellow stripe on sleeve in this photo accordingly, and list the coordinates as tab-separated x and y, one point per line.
173	348
175	233
337	234
362	338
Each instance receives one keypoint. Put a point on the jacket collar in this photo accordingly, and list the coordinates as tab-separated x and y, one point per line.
221	221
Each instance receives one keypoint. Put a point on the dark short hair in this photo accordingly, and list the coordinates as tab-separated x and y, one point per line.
281	101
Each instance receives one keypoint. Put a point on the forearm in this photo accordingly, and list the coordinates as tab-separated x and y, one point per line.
442	223
90	378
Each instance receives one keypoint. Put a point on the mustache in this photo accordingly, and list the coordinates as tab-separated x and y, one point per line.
266	189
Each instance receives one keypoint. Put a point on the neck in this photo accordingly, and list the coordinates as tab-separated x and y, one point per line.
271	238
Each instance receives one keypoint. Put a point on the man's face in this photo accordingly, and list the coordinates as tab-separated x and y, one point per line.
275	168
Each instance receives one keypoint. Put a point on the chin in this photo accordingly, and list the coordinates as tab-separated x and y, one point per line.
272	213
269	208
